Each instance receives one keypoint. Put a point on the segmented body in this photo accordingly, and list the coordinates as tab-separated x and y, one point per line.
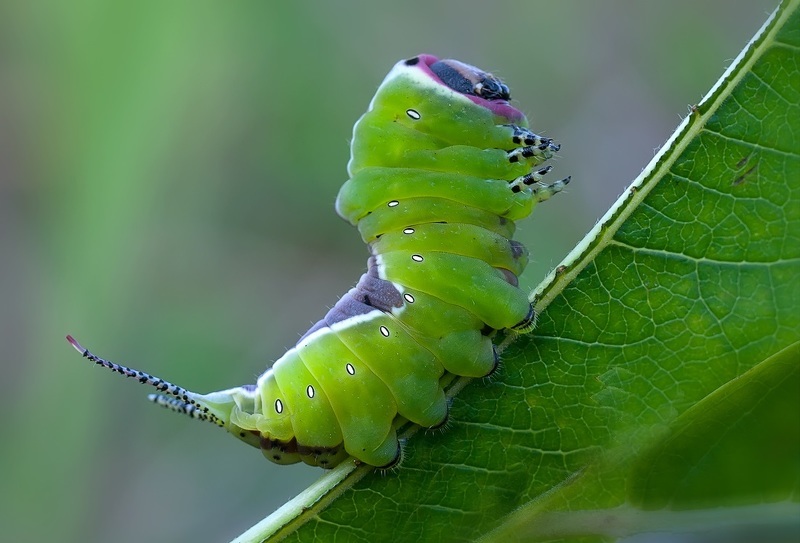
441	167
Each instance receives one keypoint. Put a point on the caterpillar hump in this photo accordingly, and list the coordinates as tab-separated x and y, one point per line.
441	167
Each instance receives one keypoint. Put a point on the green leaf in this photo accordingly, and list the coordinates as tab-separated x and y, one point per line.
660	391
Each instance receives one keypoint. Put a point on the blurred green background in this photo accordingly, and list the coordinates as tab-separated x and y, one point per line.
167	178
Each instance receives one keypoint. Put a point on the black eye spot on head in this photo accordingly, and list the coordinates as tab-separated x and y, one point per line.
468	79
492	88
412	61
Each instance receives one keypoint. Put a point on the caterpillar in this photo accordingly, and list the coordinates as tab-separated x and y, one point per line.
441	167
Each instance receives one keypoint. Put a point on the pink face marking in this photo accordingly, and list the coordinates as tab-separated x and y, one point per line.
480	87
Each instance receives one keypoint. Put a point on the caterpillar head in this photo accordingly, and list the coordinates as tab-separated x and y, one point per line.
425	103
482	88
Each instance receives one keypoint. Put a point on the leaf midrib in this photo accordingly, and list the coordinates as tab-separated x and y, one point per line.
602	234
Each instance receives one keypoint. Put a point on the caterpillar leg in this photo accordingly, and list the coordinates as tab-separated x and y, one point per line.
470	354
524	136
535	146
541	191
527	324
539	153
397	457
544	192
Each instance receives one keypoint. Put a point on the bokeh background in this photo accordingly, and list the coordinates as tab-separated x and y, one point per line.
167	178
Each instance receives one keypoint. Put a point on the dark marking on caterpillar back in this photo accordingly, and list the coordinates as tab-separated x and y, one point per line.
369	294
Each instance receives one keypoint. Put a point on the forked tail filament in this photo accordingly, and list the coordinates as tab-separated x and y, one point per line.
172	396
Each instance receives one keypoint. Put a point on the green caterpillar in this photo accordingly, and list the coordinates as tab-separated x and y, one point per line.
441	167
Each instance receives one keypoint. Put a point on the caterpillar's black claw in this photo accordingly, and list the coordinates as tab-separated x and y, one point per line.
398	459
445	421
527	324
496	365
